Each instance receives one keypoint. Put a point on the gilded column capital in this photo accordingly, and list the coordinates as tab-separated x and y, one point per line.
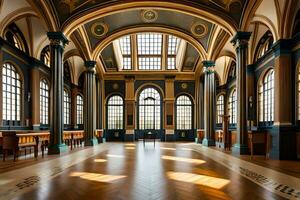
90	65
209	66
240	39
57	38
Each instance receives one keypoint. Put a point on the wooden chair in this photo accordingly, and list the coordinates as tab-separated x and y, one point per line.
10	143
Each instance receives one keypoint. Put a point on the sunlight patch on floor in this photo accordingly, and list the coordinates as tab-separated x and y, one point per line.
130	145
168	148
100	160
105	178
181	159
114	156
208	181
130	148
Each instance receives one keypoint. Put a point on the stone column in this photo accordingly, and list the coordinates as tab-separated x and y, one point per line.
283	134
240	42
89	104
57	44
209	103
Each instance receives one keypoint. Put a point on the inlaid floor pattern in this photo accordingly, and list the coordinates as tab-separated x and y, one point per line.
134	171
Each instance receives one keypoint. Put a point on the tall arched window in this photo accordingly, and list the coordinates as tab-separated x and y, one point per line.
183	113
44	102
266	98
45	56
11	95
220	108
67	107
232	111
79	109
115	109
149	109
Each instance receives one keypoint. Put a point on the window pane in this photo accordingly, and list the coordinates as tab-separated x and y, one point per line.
67	107
44	102
11	93
220	108
183	113
266	98
149	109
115	114
79	109
232	104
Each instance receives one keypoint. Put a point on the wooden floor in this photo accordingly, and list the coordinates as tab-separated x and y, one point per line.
134	171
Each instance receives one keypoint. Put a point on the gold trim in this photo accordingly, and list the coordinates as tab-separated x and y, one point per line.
75	21
103	25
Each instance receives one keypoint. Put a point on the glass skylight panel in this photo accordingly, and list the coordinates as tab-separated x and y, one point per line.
125	45
171	63
149	63
126	62
149	43
173	43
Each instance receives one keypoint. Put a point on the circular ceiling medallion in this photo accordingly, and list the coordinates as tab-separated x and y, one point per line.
149	16
199	30
184	85
99	29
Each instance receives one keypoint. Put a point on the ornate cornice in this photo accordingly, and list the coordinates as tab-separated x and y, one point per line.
57	38
240	39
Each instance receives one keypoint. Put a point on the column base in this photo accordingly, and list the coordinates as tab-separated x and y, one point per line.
240	149
90	142
35	127
57	148
208	142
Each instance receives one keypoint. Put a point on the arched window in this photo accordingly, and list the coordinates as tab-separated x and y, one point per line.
115	110
11	95
79	109
266	98
67	107
149	109
183	113
220	108
264	45
232	111
44	102
15	37
45	56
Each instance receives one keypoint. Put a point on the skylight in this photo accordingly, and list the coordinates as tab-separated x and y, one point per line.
149	51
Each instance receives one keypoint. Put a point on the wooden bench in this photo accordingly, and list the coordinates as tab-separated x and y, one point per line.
259	137
16	140
149	136
73	138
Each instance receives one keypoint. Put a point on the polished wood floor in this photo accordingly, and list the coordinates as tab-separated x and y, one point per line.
134	171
